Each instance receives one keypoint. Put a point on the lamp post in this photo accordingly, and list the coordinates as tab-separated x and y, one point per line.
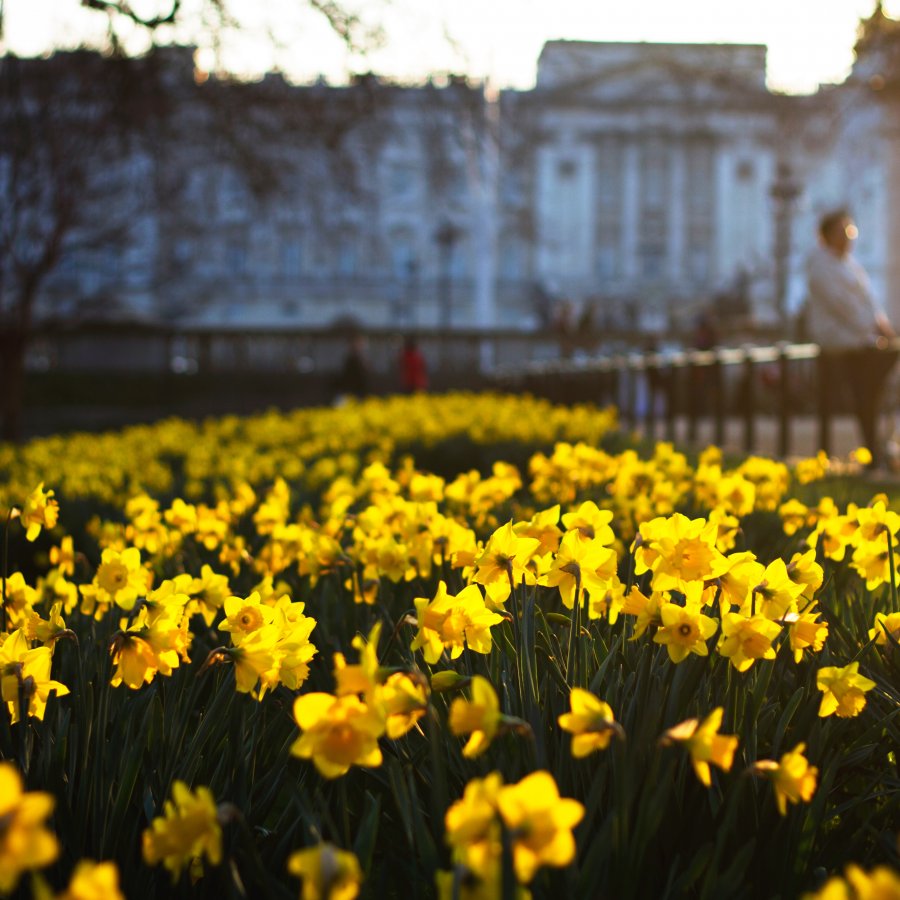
784	192
446	237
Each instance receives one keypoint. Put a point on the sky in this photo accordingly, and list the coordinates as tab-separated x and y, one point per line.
809	41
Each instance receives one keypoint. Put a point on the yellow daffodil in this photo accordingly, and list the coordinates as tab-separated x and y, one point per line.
25	681
887	625
337	733
187	831
472	827
25	843
806	632
404	699
39	511
504	562
684	630
328	873
540	823
479	717
705	745
590	722
93	881
580	564
63	556
881	883
844	690
747	639
451	622
793	778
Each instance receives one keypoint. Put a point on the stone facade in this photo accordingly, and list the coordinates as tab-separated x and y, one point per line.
635	186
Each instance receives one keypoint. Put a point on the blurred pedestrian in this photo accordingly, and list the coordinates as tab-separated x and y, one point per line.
413	368
844	319
353	379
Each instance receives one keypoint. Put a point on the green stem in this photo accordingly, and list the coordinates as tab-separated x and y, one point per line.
3	573
890	543
573	633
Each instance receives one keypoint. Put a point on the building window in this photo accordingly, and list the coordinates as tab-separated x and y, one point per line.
348	252
401	180
237	258
291	256
403	256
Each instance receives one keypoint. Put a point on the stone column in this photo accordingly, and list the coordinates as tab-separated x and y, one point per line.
631	185
892	208
722	260
677	210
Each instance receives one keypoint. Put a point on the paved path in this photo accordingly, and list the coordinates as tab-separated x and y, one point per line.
804	435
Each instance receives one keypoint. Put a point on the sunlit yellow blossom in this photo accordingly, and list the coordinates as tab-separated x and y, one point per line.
480	717
452	622
119	579
544	527
48	630
63	556
881	883
256	660
804	570
93	881
187	831
472	826
327	872
404	699
39	511
684	630
705	745
793	778
211	591
463	884
745	640
136	663
774	594
736	495
812	469
806	631
678	550
20	598
607	602
244	616
337	732
580	563
590	722
25	843
647	610
540	823
25	680
794	516
887	626
872	561
876	521
590	523
361	677
504	561
844	690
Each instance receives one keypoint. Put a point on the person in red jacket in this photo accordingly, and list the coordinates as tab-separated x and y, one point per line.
413	370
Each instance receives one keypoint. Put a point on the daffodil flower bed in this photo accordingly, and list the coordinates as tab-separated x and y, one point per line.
281	657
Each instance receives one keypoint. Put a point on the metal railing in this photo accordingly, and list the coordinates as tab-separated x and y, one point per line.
654	389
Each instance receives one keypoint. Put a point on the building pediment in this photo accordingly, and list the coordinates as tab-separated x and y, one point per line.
652	82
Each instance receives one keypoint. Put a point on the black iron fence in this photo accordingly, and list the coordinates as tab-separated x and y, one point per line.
653	391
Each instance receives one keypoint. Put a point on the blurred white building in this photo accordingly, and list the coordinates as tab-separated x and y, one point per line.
635	186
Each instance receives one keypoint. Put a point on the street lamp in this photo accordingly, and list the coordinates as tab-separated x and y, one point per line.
784	192
446	237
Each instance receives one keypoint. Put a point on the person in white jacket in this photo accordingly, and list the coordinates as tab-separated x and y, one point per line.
844	319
